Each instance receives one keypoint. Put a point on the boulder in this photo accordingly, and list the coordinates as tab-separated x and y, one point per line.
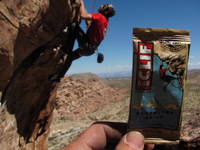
36	40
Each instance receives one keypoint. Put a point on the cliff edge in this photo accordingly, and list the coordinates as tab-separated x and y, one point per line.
36	39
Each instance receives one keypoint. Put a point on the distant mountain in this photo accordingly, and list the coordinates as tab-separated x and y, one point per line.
122	74
194	73
85	76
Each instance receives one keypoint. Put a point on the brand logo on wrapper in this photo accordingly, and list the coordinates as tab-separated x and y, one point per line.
144	66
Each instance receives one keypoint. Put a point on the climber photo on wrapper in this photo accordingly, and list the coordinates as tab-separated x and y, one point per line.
97	25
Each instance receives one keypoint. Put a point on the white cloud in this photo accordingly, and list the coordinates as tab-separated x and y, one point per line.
122	67
101	69
192	57
111	69
194	65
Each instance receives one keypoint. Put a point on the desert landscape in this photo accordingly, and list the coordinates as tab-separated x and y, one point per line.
36	44
85	98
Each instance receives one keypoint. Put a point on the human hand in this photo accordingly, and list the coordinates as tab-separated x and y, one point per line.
100	135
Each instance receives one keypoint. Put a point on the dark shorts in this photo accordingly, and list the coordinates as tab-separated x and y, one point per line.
86	48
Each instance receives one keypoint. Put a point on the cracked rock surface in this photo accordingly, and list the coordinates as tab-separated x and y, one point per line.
30	67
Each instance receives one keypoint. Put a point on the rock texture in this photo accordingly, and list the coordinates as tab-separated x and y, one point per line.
78	97
27	25
82	99
34	54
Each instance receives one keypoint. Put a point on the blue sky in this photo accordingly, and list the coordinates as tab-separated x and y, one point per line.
117	46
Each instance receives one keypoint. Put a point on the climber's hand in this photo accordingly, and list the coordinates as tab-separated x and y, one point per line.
84	13
100	135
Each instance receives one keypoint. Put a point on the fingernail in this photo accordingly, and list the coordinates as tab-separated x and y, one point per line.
135	140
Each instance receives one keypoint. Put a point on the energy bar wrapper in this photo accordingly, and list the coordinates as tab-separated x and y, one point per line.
158	83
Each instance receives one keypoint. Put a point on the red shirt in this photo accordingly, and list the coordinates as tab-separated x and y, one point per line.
97	30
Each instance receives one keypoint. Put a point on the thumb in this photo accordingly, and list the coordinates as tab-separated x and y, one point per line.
131	141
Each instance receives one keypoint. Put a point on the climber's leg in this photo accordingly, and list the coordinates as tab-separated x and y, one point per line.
85	47
85	50
75	54
81	37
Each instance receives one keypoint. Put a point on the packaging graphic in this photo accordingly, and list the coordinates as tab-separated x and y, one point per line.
158	85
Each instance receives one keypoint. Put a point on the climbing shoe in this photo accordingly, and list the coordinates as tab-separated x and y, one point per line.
100	58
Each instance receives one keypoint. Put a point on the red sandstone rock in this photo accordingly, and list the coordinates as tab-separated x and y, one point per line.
77	97
30	30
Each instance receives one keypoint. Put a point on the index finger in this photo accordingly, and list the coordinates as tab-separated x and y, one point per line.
96	137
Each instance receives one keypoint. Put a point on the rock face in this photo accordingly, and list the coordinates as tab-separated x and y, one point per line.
34	54
78	97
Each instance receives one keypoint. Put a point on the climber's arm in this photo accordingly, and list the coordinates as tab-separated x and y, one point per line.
88	23
84	13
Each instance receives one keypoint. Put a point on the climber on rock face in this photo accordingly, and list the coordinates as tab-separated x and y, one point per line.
97	25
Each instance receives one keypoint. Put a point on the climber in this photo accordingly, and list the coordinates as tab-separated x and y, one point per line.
97	25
